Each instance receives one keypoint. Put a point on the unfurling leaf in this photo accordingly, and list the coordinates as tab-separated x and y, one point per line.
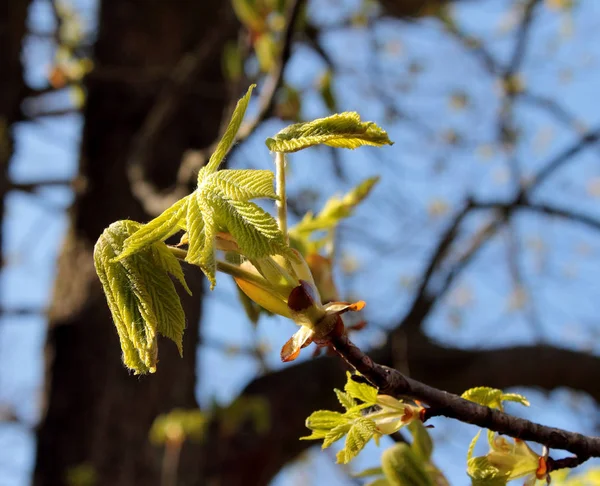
323	422
361	432
335	209
159	229
422	444
344	130
345	399
492	397
507	459
360	391
401	465
367	416
140	295
229	136
483	473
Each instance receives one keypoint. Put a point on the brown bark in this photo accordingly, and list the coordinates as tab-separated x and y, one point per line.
13	14
96	414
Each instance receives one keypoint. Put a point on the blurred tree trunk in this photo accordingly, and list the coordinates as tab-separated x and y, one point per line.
13	15
96	416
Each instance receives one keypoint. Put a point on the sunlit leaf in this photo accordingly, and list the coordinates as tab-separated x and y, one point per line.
344	130
483	473
335	434
334	211
422	444
322	422
159	229
361	391
345	399
229	136
492	397
402	466
140	294
360	433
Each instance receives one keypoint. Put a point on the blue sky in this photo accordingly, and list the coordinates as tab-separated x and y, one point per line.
559	260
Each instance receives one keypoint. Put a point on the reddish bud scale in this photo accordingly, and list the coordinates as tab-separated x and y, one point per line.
542	470
301	297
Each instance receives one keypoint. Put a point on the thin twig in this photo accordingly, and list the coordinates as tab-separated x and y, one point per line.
424	301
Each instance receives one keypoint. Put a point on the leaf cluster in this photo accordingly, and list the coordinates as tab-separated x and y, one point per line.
140	294
134	263
358	429
367	416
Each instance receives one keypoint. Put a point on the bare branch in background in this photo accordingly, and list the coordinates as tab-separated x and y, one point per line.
425	299
266	101
164	108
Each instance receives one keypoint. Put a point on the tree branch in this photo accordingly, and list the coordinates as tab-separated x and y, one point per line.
544	208
518	55
391	382
310	383
34	186
164	108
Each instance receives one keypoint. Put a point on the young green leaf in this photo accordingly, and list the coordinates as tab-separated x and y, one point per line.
221	203
344	130
361	391
164	258
243	184
325	420
483	473
345	399
372	471
472	445
492	397
201	231
229	136
159	229
334	211
360	433
422	444
402	466
140	294
336	434
515	397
